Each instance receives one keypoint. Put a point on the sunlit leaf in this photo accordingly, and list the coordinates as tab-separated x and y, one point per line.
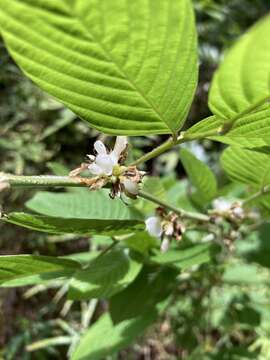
104	276
127	67
241	84
21	270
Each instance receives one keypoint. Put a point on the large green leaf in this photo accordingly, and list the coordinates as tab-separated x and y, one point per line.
104	338
250	131
104	276
242	81
247	166
83	205
200	175
21	270
58	225
151	287
127	67
82	212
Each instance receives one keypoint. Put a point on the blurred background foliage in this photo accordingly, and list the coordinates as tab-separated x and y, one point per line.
217	313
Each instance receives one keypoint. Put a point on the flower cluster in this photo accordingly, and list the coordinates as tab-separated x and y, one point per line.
165	226
107	167
232	211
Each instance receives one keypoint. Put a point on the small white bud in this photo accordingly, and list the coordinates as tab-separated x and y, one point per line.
153	226
131	186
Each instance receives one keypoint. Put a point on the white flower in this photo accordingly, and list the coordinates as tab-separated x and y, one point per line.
131	187
222	205
105	161
153	226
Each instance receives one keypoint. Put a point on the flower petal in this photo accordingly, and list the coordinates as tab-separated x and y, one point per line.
95	169
120	145
131	186
105	163
153	226
100	148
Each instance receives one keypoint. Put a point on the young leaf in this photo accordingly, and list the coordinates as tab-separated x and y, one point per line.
151	287
247	166
58	225
104	276
250	131
126	67
185	258
105	339
21	270
200	175
241	84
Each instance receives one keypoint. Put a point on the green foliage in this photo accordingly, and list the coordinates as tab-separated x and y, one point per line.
83	205
132	69
241	83
185	258
140	298
247	166
58	225
117	71
106	338
200	175
249	131
104	276
66	213
21	270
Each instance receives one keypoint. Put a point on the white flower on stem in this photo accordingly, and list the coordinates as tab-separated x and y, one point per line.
154	227
222	205
104	162
131	187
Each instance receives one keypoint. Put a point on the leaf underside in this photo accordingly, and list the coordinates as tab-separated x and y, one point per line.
126	67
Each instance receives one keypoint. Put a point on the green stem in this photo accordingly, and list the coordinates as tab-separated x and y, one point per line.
39	181
169	144
264	191
180	212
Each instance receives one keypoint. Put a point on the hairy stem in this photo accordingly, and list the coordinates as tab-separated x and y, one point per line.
169	144
39	181
181	212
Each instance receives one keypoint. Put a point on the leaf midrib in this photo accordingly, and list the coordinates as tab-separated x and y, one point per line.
121	71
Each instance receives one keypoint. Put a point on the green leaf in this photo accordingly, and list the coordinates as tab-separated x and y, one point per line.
241	84
250	131
200	175
21	270
142	296
104	276
81	212
247	166
83	205
104	338
260	253
126	67
58	225
142	242
185	258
